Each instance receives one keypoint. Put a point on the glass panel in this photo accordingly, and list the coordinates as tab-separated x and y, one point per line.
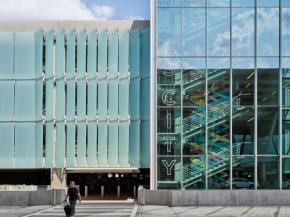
71	99
286	82
218	171
124	95
218	32
169	32
268	173
285	31
268	81
102	144
268	32
59	54
134	148
169	120
219	3
6	100
81	53
70	144
286	3
92	102
243	173
92	144
25	145
194	172
60	100
49	142
243	32
286	132
81	144
169	173
102	99
70	55
243	3
145	53
168	144
25	100
145	89
113	100
243	75
243	123
7	145
168	3
113	54
286	173
144	141
268	3
169	71
24	59
102	53
59	145
193	3
135	99
193	32
124	53
81	99
124	144
6	54
113	144
268	131
92	53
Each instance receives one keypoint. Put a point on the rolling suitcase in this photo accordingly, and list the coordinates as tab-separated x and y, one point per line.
67	210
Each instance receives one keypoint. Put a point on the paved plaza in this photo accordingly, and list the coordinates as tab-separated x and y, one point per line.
122	209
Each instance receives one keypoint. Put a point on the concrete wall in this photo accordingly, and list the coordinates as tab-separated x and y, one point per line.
31	198
213	197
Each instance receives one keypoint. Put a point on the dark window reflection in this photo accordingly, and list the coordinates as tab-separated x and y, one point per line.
268	131
286	173
168	144
243	173
286	132
268	173
194	172
169	120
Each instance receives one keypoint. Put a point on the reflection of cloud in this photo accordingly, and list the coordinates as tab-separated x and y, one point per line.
168	63
167	48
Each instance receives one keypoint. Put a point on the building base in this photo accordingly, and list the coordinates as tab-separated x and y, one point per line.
213	197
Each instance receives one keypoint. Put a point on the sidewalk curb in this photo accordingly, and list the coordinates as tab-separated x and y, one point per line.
134	210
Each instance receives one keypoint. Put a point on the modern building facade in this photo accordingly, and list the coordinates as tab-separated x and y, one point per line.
73	96
220	88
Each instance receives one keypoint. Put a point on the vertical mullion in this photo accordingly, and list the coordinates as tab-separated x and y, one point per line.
231	101
181	99
280	96
255	97
206	98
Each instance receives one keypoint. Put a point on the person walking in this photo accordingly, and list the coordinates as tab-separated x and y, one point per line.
73	195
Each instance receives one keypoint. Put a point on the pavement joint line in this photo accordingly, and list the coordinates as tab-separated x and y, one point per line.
39	212
134	210
213	212
248	210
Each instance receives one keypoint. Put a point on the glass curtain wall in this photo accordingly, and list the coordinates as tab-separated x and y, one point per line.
223	94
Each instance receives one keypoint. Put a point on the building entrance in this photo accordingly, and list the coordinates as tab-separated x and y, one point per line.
109	186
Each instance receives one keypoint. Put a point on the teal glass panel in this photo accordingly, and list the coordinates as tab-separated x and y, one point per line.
124	144
169	3
268	172
135	99
25	100
38	53
6	100
92	144
92	53
70	144
81	144
113	100
60	145
92	99
134	143
38	99
7	145
102	54
286	173
113	144
39	145
49	50
102	144
24	59
285	31
49	143
102	100
60	100
70	110
113	54
145	96
6	54
134	53
59	54
124	53
193	172
49	100
168	32
81	99
219	3
70	54
145	144
243	172
25	145
81	53
124	102
145	53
